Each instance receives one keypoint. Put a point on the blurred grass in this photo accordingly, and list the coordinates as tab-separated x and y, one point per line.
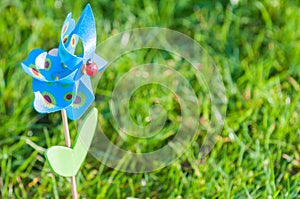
256	45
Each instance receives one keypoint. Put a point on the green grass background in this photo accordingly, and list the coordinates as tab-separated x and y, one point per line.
256	45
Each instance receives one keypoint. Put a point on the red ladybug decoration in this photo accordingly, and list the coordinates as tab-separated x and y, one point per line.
90	68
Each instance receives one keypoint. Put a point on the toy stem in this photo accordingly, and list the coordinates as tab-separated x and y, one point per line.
68	144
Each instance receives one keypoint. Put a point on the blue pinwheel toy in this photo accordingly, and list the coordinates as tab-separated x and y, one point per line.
61	82
62	78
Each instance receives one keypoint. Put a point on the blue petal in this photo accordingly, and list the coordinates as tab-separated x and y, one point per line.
86	31
66	34
84	98
44	67
30	67
51	97
67	28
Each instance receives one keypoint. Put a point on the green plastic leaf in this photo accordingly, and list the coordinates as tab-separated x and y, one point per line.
66	161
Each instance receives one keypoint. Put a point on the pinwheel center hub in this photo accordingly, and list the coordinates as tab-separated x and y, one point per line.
91	68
